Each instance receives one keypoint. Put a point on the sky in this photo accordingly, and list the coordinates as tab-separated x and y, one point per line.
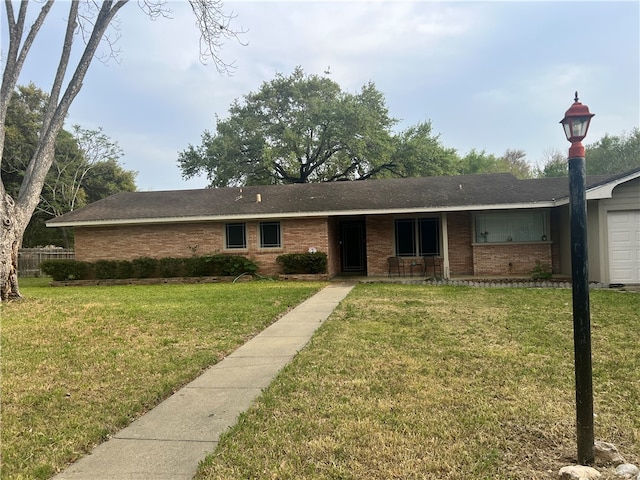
488	76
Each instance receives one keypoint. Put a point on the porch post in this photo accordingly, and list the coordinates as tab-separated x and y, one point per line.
445	245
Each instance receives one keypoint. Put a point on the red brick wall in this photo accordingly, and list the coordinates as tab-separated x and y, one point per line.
155	241
298	235
333	260
460	239
509	258
380	231
183	240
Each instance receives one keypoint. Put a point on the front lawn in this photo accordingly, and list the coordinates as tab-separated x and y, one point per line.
415	382
79	363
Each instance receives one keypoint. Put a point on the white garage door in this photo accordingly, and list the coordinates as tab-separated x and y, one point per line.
624	246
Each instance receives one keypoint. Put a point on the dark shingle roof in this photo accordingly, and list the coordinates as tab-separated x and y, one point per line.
385	195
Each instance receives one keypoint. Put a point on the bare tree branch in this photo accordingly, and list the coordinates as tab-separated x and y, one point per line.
214	25
17	55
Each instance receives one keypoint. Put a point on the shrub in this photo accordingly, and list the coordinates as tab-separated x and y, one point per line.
209	265
171	267
219	265
105	269
124	269
234	265
198	266
144	267
61	270
542	271
303	262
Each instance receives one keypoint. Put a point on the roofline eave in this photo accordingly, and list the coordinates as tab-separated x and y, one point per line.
286	215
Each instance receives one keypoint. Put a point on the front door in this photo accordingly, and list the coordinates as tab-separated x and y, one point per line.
352	246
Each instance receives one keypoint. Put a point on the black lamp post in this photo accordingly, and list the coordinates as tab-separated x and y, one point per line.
576	123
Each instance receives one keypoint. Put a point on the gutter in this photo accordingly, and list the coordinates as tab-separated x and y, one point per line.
286	215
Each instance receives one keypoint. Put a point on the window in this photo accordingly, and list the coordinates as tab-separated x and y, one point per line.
417	237
236	235
270	235
406	238
512	226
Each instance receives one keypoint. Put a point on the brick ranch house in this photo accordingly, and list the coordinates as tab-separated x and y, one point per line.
480	225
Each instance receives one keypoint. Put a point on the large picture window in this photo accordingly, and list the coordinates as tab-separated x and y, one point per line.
417	237
512	226
235	235
270	235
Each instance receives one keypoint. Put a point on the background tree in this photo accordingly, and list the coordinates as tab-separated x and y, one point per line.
295	129
610	155
419	153
555	165
85	166
92	19
614	153
22	124
476	162
515	162
65	187
512	161
304	128
85	172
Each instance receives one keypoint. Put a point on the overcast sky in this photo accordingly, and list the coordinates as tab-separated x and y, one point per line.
488	75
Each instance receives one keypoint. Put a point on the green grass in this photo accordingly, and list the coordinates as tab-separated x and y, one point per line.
415	382
79	363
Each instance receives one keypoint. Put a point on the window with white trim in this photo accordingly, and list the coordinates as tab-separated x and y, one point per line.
235	235
417	237
270	235
511	226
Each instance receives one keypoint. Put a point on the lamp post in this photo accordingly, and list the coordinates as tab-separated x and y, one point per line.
576	123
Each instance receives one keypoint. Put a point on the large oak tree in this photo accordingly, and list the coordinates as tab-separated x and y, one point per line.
305	128
91	19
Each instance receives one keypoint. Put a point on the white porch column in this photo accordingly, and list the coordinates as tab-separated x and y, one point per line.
445	245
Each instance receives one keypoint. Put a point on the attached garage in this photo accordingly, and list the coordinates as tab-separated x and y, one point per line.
624	246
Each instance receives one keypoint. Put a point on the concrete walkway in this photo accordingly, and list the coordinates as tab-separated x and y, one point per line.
168	442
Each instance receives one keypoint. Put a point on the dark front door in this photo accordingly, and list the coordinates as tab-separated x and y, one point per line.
352	243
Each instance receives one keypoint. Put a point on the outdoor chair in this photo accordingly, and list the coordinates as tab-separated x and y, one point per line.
434	263
396	266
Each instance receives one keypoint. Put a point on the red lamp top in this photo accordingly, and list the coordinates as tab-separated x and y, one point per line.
576	121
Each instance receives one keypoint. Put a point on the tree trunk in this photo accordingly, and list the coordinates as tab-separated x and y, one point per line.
10	241
15	215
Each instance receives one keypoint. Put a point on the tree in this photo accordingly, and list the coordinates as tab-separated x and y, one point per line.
92	20
295	129
65	187
23	122
614	153
476	162
512	161
419	153
85	166
84	173
555	165
304	128
610	155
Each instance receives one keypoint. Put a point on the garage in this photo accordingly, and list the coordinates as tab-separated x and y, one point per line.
624	246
